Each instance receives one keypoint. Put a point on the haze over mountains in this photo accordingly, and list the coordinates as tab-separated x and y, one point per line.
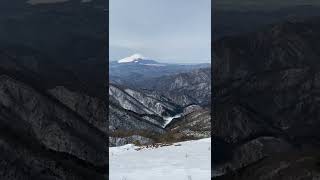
136	69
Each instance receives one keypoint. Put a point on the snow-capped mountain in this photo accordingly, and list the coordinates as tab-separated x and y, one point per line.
134	58
136	67
138	59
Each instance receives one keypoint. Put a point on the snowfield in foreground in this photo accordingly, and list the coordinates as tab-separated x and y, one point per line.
188	160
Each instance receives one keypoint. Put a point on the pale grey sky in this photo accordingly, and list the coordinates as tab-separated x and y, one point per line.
177	31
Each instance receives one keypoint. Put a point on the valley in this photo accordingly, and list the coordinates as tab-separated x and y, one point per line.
161	105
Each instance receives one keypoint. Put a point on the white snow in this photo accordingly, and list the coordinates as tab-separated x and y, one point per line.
169	119
189	160
133	58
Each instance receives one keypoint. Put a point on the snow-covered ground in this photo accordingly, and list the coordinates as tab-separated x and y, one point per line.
188	160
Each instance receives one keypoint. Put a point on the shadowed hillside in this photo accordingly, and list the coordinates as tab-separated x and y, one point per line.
266	102
53	116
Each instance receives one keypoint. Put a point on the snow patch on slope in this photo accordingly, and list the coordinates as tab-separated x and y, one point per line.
180	161
169	119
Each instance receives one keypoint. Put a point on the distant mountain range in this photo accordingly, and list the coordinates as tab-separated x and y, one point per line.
136	69
186	88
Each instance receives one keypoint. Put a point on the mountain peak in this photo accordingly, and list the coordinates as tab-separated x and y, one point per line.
133	58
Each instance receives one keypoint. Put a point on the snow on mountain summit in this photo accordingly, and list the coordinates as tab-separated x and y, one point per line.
133	58
138	59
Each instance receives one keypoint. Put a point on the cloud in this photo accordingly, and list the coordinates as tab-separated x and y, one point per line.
178	29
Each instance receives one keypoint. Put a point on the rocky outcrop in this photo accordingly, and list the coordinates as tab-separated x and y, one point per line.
266	85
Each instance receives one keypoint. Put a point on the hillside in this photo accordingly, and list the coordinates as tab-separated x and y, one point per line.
266	101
